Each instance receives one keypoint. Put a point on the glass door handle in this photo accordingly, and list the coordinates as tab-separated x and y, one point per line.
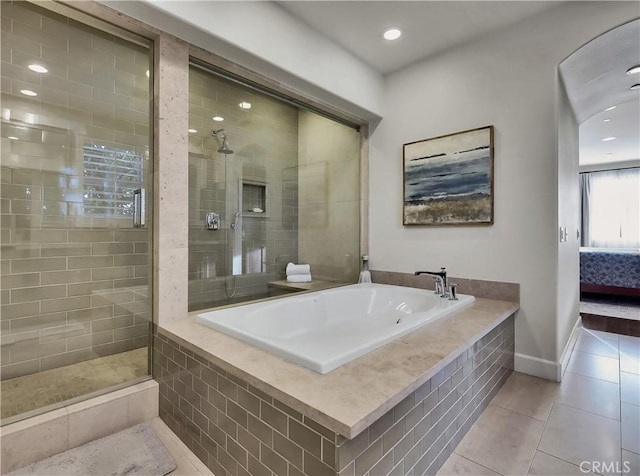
139	218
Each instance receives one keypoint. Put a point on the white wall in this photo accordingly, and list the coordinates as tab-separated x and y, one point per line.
266	39
568	297
508	79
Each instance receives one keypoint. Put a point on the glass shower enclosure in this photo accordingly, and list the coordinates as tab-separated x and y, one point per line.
270	182
76	208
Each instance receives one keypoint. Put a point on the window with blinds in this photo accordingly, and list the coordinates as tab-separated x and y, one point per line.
110	177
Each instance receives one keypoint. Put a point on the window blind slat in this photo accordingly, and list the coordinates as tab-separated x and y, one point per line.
110	176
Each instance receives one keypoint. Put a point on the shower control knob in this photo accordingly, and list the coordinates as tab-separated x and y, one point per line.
212	221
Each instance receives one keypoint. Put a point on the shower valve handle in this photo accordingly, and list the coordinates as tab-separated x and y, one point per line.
212	221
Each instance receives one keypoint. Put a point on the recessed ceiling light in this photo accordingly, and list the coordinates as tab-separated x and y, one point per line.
147	73
245	105
634	69
38	68
192	131
218	118
610	108
608	139
28	92
635	86
12	138
392	34
607	120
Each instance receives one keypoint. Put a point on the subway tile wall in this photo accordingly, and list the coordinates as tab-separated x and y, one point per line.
230	265
74	280
329	198
237	429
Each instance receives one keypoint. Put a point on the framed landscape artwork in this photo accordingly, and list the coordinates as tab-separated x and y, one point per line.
448	180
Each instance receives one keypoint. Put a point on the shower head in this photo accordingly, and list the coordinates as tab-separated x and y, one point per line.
221	135
225	149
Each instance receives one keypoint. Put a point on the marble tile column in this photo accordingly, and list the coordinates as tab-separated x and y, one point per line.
171	179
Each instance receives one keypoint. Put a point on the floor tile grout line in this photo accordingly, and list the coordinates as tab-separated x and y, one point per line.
587	411
599	355
620	414
604	342
557	457
479	464
596	378
538	443
521	414
591	377
604	356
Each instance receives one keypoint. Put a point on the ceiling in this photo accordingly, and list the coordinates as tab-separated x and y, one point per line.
428	27
594	75
595	78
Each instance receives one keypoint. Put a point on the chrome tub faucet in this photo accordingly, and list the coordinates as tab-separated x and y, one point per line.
442	285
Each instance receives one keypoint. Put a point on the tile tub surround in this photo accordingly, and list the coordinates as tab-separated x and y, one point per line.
243	411
475	287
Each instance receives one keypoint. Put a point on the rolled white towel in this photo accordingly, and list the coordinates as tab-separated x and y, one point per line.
294	269
299	278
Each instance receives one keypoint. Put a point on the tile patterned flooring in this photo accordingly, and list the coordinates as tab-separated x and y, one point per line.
23	394
538	427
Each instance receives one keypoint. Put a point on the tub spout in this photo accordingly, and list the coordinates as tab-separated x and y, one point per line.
440	277
365	274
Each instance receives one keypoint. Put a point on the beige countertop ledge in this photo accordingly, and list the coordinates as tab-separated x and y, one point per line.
350	398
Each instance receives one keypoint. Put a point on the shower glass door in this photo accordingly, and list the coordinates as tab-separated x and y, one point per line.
76	208
285	182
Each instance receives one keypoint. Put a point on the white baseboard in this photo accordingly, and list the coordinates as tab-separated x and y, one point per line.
548	369
537	367
566	354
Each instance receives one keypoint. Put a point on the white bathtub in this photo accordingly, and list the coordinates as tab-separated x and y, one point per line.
326	329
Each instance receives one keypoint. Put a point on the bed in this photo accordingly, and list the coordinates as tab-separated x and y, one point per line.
610	271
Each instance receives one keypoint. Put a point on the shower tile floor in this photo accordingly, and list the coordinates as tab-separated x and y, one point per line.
538	427
30	392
